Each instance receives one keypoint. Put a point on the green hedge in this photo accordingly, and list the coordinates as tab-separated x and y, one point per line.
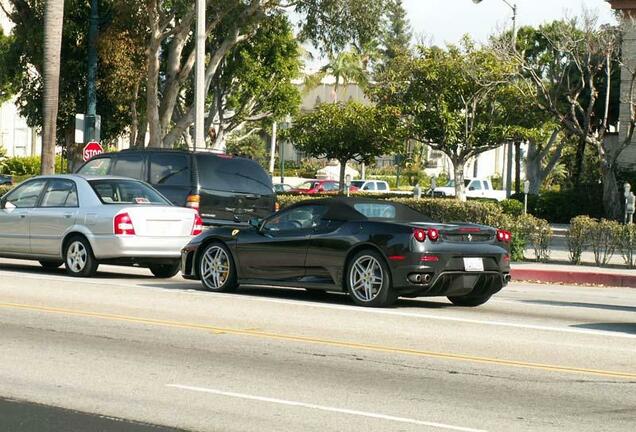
527	230
4	189
27	165
561	206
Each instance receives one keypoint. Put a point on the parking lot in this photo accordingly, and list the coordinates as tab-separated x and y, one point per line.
127	345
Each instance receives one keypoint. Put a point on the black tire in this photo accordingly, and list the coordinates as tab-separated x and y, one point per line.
225	270
165	271
51	265
381	296
469	301
75	248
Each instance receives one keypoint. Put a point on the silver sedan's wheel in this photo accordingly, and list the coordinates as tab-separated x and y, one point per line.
216	268
369	280
78	257
366	278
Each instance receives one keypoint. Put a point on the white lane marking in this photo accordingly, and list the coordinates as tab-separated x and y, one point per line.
588	332
325	408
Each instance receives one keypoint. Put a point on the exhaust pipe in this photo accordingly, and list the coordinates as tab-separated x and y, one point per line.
507	277
427	278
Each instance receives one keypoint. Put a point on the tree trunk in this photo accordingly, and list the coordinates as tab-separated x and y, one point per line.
152	97
343	170
611	194
579	161
53	26
458	170
134	116
517	167
533	169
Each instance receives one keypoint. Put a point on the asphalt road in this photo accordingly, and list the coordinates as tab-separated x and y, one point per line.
163	352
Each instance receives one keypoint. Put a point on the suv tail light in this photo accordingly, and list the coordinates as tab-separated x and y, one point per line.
193	201
197	228
420	234
277	207
123	225
504	236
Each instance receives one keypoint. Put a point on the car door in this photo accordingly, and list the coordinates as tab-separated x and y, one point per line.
50	220
278	250
14	216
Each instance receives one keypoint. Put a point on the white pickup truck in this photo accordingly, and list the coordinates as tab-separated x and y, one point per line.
475	188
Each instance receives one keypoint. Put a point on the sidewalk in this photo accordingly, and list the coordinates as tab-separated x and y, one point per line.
571	274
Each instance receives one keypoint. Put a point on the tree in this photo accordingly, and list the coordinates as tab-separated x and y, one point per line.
451	100
251	147
567	83
53	24
346	67
397	35
346	132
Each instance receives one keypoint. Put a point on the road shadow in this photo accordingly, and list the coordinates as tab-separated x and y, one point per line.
37	270
620	308
629	328
297	294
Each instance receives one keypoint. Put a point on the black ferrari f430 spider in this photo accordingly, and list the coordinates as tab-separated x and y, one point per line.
374	250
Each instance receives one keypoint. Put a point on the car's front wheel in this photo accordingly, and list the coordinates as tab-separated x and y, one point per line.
79	258
469	301
216	268
369	280
165	271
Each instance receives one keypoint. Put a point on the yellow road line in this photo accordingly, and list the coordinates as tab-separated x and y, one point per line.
320	341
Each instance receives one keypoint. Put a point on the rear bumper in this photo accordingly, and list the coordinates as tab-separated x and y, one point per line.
111	246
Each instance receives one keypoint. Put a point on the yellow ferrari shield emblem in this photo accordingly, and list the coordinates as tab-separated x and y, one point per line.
235	232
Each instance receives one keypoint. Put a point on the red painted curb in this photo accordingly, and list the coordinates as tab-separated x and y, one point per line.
609	279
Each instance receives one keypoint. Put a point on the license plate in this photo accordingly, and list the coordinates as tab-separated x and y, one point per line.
474	264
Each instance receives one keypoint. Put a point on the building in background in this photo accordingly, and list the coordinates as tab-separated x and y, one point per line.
15	135
627	8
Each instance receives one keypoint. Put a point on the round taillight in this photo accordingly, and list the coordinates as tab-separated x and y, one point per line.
504	236
433	234
419	234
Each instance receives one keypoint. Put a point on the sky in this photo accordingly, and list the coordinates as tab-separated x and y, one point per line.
444	21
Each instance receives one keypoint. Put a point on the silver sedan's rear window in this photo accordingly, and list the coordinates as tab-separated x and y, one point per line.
128	192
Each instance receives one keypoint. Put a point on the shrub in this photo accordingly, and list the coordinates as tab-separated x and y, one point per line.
4	189
560	207
627	244
28	165
578	237
604	236
511	207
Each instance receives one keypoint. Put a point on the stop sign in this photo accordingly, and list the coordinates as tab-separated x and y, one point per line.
93	148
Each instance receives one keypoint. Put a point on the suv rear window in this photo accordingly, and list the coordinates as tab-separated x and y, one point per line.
233	175
128	165
97	167
169	169
126	192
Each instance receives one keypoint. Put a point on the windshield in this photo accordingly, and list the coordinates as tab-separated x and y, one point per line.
129	192
358	183
451	183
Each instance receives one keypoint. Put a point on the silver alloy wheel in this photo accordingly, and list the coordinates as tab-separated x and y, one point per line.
366	278
76	257
215	267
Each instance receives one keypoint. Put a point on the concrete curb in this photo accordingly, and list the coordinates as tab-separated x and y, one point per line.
574	277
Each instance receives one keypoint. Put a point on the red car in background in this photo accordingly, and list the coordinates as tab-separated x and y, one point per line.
313	187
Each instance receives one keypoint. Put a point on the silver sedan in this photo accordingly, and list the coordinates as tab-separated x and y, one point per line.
83	221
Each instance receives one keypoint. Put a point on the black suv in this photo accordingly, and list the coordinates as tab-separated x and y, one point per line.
225	189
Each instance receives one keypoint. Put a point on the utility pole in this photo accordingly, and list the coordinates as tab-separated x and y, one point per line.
199	77
91	125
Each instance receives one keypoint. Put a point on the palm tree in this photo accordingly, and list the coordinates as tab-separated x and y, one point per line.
345	67
53	24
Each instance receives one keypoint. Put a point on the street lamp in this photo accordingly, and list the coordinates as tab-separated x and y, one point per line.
514	19
514	47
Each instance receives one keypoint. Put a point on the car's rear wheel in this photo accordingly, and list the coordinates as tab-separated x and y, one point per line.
216	268
165	271
469	301
369	280
51	265
79	258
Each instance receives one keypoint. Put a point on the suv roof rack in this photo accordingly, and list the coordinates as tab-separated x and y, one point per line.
198	150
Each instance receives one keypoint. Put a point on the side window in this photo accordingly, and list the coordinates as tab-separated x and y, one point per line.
476	185
331	186
129	165
26	195
369	186
169	169
486	185
299	218
60	193
98	166
382	186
